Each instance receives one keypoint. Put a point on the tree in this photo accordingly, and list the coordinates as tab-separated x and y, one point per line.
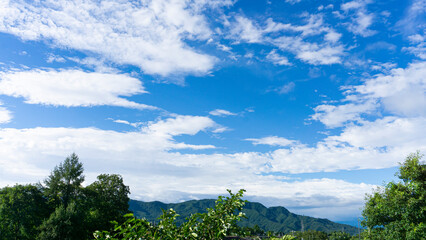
217	223
22	209
398	210
107	200
66	223
64	183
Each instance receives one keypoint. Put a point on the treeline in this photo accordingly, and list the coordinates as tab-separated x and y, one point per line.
60	207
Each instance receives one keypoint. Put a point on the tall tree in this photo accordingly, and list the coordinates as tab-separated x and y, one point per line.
64	183
22	209
398	210
108	200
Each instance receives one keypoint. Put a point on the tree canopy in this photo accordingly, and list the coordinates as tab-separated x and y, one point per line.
398	210
22	209
64	183
62	208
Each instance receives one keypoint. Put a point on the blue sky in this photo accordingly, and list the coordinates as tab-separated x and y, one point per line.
305	104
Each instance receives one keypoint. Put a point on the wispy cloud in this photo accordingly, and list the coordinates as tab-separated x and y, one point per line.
361	19
149	34
273	141
293	39
221	113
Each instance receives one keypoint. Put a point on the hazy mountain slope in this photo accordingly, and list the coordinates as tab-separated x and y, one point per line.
269	219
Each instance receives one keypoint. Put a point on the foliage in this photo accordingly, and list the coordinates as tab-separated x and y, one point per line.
62	208
339	236
398	210
216	223
63	224
107	199
22	209
64	183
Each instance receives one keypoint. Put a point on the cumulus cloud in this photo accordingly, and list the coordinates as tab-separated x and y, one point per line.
336	116
5	114
71	88
147	34
378	144
400	91
155	173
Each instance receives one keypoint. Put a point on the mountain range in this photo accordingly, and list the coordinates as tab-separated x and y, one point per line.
277	219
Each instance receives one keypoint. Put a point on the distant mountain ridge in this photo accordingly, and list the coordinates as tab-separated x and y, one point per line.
277	219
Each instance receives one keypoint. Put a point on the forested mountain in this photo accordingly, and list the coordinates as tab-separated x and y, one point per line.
277	219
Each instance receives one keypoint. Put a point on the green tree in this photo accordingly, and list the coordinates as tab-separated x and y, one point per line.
398	210
217	223
107	200
64	224
64	183
22	209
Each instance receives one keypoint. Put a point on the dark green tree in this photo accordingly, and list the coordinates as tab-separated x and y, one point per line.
398	210
107	200
22	209
64	183
64	224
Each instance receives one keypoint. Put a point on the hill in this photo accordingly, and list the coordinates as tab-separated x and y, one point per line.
277	219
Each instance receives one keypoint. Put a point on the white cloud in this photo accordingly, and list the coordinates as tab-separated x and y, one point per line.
293	1
413	22
71	88
373	145
391	132
277	59
55	58
336	116
273	141
361	20
332	36
286	88
418	45
149	156
293	39
148	34
5	114
401	91
245	30
221	113
99	65
180	124
28	155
